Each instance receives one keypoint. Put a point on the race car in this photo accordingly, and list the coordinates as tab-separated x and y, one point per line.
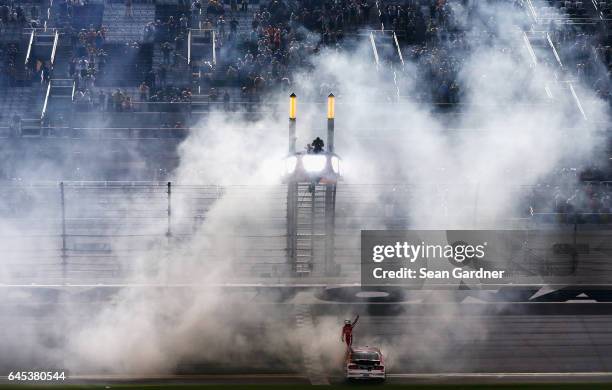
365	363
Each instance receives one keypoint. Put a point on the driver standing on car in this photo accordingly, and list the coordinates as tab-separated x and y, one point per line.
347	331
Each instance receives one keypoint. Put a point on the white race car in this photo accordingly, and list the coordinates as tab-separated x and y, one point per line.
365	363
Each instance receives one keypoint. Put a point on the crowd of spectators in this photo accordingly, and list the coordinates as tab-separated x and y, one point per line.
279	38
589	55
580	196
8	63
172	29
14	13
171	94
88	62
262	53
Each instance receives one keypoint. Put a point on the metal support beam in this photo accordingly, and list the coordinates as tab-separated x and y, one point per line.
331	114
292	136
292	195
330	135
331	268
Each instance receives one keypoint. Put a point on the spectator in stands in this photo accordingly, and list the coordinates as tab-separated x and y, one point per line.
196	7
226	101
162	74
150	79
166	49
213	95
171	95
117	99
16	124
102	100
149	32
215	8
183	24
233	26
34	12
143	89
221	27
126	104
128	8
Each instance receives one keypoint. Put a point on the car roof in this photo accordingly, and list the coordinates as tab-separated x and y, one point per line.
365	349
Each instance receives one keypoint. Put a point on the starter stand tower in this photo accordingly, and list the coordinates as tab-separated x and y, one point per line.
311	179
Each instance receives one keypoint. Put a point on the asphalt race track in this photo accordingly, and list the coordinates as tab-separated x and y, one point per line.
458	343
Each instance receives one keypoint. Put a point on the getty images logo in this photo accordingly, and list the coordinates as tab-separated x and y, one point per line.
457	252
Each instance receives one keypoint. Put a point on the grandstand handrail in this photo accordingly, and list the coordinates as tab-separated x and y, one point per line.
532	11
44	110
530	49
382	25
554	49
48	19
53	51
28	30
399	50
577	100
27	58
189	47
374	50
214	48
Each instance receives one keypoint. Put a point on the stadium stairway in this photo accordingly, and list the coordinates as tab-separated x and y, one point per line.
11	33
122	28
63	55
178	73
126	67
18	101
164	11
87	15
245	20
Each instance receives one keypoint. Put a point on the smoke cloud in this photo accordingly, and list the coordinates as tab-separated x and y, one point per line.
463	168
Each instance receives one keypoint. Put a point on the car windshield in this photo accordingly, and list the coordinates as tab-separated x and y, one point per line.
365	356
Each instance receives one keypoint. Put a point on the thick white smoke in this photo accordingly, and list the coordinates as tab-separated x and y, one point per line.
507	134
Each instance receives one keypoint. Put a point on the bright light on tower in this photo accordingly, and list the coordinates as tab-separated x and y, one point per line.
292	106
314	162
331	106
290	164
335	163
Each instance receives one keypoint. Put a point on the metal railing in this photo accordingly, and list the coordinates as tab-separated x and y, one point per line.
27	58
189	47
55	41
44	109
197	33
